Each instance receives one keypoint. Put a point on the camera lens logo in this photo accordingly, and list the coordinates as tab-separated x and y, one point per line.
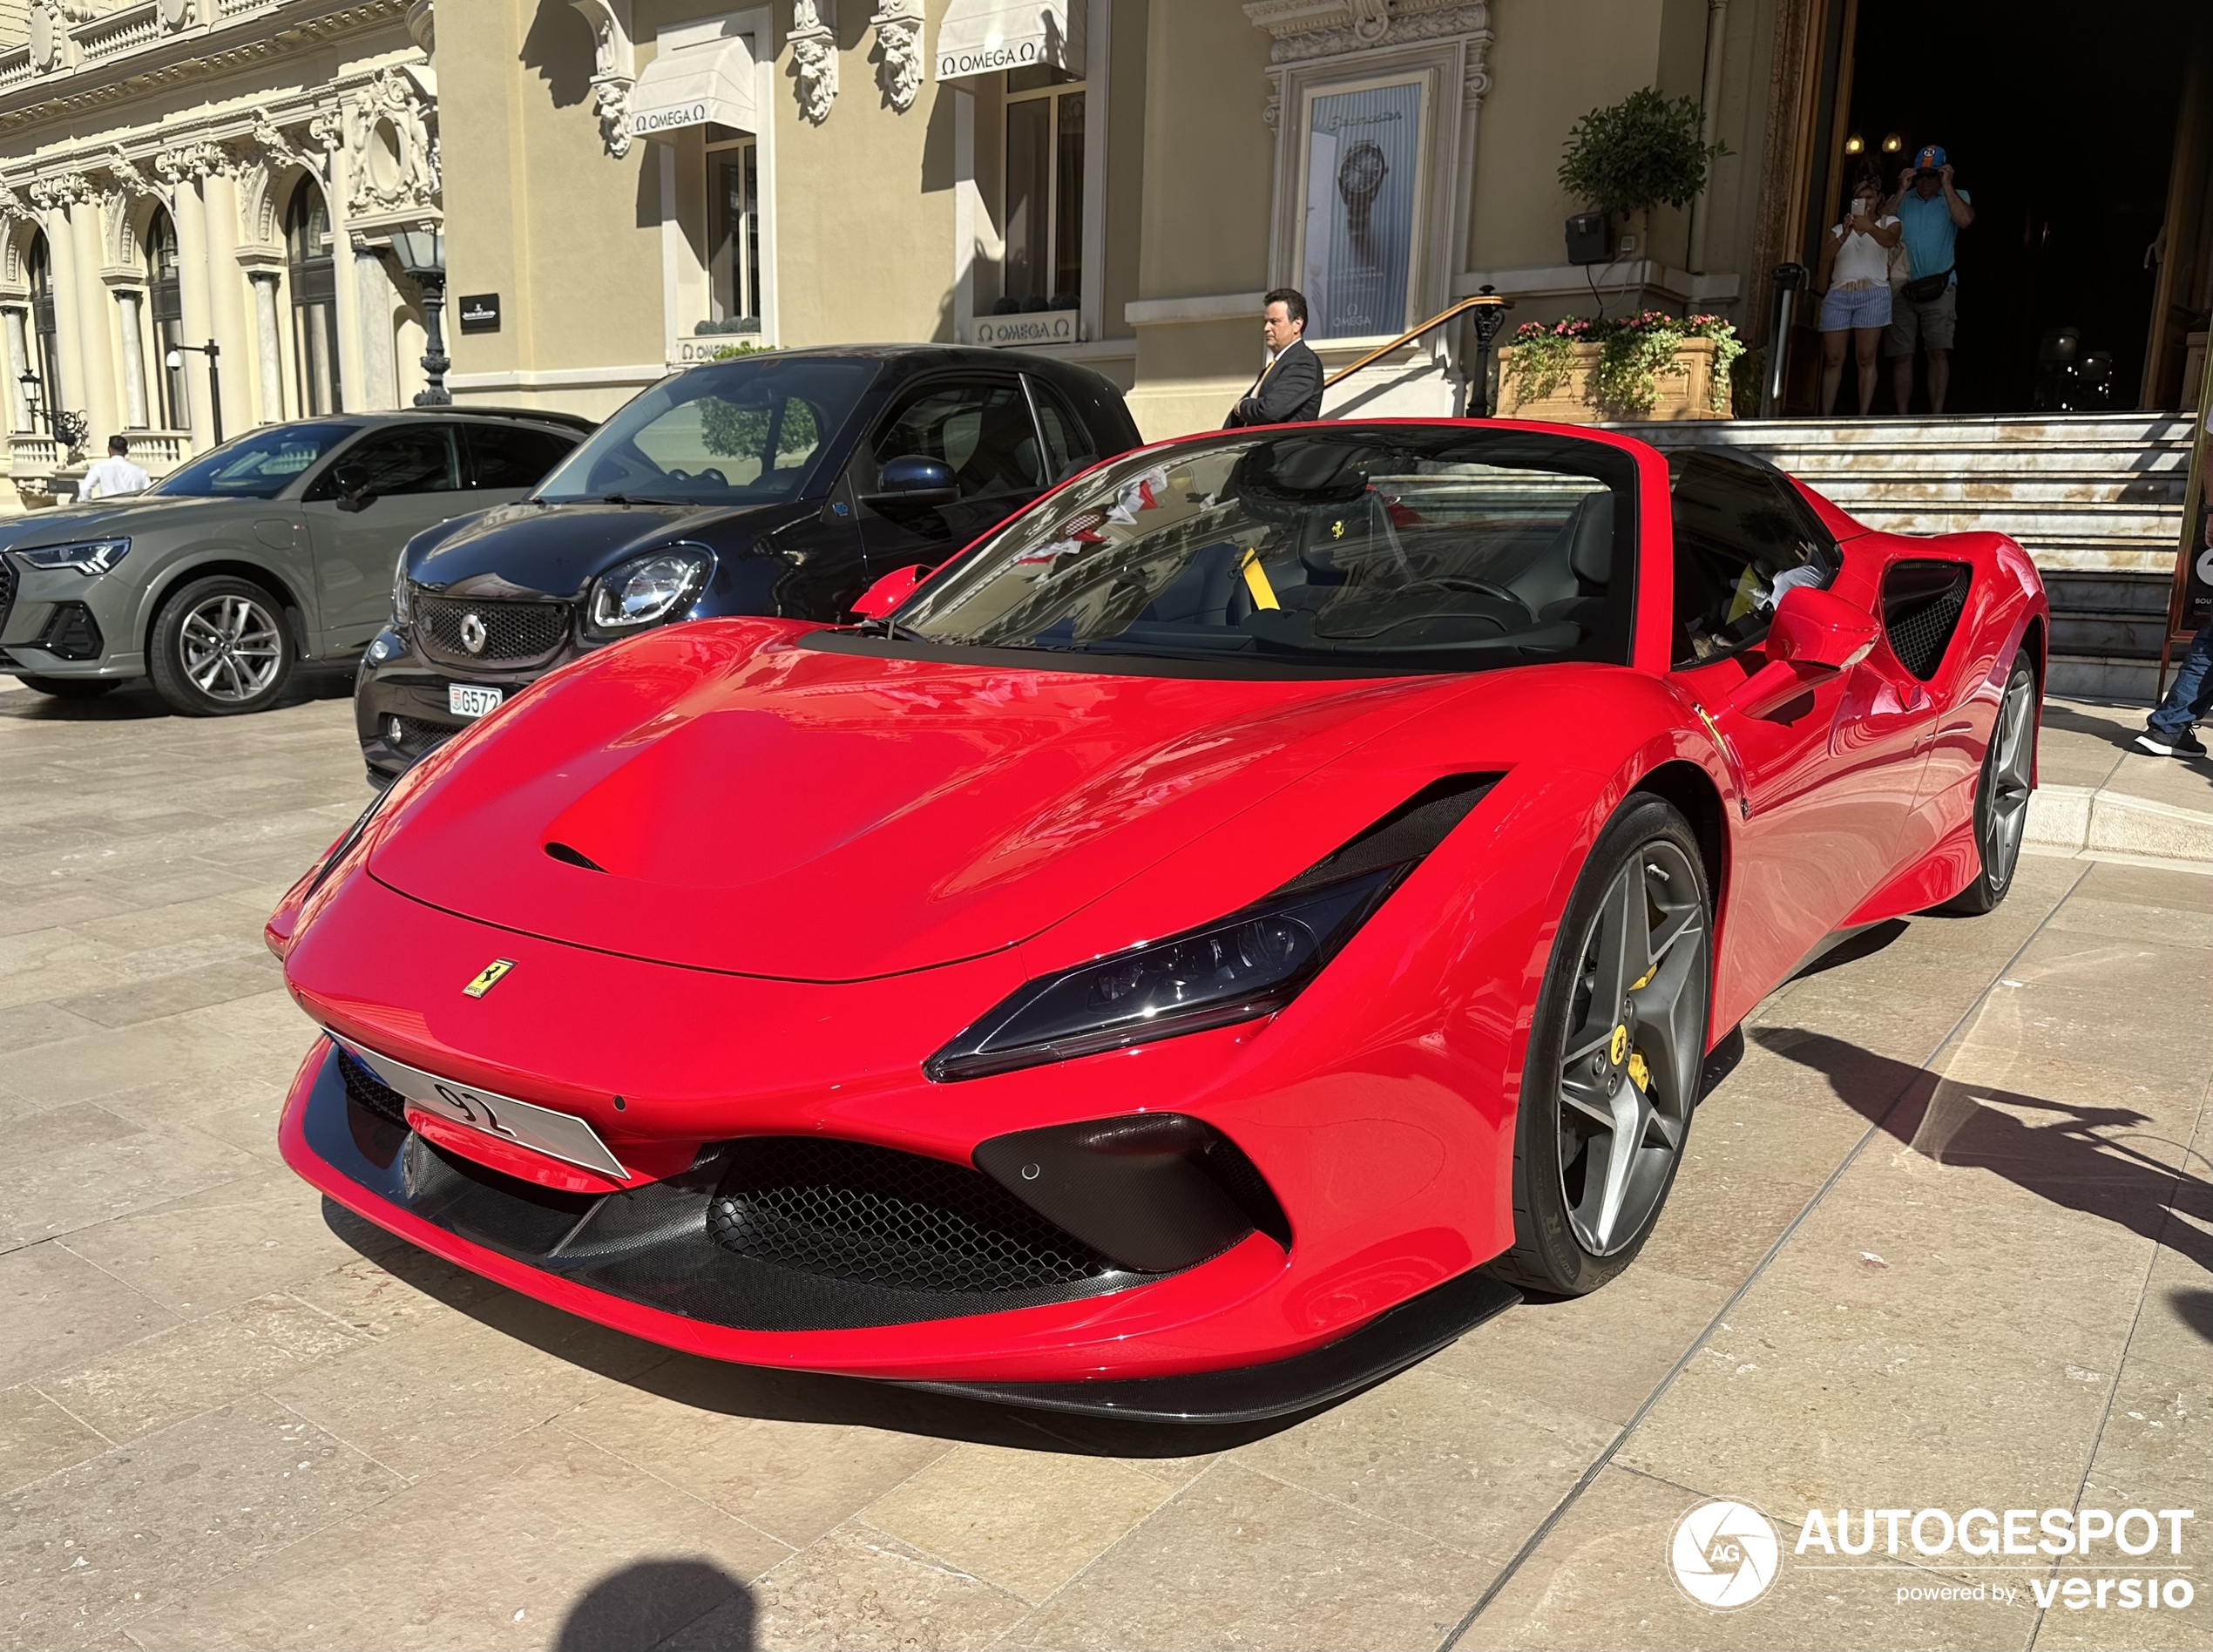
1724	1555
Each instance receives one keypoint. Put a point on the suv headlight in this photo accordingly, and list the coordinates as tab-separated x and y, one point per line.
402	606
647	590
92	556
1247	966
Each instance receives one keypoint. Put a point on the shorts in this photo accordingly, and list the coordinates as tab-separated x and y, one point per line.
1845	308
1929	325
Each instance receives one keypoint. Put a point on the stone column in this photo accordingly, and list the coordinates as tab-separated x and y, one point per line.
18	364
191	300
373	287
69	359
94	322
134	359
226	299
352	371
268	342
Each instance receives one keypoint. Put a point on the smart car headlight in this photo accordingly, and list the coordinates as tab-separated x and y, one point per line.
88	557
647	590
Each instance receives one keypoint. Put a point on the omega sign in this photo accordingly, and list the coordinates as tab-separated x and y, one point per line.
646	121
984	60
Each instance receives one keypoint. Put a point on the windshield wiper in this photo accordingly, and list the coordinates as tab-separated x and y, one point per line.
636	498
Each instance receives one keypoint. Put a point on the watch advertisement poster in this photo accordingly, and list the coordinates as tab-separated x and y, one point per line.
1364	152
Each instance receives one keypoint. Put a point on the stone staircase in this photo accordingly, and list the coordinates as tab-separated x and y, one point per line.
2096	498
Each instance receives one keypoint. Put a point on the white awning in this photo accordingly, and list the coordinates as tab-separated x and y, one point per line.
982	36
694	84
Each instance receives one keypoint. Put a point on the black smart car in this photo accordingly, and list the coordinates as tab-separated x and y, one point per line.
783	482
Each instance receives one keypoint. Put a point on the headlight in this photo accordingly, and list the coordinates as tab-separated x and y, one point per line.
401	607
648	589
1248	965
93	556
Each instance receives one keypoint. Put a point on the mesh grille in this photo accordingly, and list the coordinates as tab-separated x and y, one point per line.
370	1091
7	590
418	735
1922	602
869	1216
514	633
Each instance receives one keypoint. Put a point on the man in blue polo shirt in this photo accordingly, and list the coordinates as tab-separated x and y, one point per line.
1933	213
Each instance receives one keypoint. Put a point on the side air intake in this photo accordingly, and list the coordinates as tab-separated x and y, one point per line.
1922	602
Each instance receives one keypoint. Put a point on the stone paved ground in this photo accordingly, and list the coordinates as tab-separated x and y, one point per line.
1941	1241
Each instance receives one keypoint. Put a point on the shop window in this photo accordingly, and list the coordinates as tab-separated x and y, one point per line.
166	309
734	233
312	278
1045	191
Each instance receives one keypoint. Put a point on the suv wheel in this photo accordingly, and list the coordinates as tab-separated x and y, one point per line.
220	646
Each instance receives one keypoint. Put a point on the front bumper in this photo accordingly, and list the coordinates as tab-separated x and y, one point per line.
54	622
643	1260
401	704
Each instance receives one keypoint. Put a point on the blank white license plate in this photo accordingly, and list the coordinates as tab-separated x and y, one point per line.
563	1135
463	700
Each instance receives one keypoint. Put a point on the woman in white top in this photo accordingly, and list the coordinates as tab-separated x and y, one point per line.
1854	268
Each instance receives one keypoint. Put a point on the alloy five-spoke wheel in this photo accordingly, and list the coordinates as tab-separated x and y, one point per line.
1614	1056
2002	796
220	646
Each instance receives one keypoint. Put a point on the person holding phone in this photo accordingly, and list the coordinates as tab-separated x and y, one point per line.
1856	306
1931	212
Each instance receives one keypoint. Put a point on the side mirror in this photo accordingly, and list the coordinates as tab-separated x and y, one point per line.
911	479
1815	628
352	488
1813	637
891	591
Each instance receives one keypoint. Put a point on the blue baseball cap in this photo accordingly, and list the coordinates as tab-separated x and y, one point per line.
1928	158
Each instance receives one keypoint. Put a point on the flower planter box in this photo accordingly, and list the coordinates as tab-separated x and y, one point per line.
1686	390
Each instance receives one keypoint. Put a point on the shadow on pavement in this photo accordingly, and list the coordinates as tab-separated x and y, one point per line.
646	1601
136	701
2080	1158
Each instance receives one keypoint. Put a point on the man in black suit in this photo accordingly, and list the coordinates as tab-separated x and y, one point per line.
1289	387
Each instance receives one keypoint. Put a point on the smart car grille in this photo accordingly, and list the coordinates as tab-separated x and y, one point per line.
1922	602
514	634
7	590
370	1091
871	1216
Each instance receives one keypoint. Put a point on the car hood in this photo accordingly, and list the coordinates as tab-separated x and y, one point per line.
556	549
133	513
746	802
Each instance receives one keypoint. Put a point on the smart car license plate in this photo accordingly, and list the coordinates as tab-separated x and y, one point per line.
464	701
561	1135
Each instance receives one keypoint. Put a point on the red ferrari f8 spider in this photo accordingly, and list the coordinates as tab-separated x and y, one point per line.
1207	945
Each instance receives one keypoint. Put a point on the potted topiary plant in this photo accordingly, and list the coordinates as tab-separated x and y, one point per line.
1642	152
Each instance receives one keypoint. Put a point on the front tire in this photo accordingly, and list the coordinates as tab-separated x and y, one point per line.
2002	793
71	688
219	648
1615	1054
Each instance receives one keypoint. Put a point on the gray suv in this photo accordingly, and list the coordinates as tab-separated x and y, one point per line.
276	547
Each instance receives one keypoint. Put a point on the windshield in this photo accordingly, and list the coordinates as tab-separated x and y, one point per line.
1377	546
742	432
259	465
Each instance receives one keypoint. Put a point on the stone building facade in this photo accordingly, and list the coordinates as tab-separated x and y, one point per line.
176	174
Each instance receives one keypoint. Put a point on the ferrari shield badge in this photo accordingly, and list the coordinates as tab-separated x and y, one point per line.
1615	1053
488	977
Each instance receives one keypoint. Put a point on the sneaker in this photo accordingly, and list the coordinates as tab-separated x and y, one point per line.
2186	744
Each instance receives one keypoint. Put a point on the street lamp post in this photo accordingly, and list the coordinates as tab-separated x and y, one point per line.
421	253
1489	318
211	350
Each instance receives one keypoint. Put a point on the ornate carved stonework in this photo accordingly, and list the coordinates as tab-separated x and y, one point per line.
60	191
813	60
392	157
1307	29
611	102
421	26
177	14
898	43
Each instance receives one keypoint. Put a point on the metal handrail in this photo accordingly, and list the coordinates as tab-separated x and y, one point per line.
1485	299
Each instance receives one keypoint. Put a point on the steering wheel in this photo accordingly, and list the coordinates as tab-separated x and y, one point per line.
1480	587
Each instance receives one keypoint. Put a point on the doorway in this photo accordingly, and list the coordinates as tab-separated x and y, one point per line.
2069	129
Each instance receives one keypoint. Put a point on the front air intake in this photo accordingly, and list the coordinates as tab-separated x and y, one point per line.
869	1216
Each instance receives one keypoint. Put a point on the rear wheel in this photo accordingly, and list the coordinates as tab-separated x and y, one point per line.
70	688
2001	795
219	648
1614	1055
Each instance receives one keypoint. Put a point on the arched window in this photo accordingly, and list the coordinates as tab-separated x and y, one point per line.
40	263
314	301
167	313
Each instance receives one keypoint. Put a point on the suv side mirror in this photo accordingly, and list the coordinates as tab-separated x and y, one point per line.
911	479
890	591
353	491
